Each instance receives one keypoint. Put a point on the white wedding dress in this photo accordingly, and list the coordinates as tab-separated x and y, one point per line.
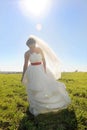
45	94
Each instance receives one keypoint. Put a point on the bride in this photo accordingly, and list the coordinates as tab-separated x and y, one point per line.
40	71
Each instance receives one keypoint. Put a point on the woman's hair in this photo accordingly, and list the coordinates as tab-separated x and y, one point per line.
30	41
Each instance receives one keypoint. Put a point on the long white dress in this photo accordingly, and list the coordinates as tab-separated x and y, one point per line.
45	94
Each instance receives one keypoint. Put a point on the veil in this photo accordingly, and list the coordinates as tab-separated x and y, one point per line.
53	64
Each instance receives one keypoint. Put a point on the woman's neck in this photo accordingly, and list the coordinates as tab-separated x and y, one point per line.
32	49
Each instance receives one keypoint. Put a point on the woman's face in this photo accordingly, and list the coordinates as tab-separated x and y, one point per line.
32	45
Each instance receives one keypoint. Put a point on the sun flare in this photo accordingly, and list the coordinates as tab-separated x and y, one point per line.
39	27
36	8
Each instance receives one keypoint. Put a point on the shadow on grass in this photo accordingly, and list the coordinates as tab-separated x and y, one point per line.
62	120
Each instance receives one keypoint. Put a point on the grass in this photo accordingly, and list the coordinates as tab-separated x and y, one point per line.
14	108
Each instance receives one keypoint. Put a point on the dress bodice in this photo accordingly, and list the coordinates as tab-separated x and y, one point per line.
35	57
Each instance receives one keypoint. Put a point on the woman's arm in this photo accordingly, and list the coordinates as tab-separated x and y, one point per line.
26	58
43	59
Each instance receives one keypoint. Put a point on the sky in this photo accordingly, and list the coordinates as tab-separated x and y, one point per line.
60	23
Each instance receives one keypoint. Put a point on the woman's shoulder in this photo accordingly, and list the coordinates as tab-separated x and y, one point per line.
27	53
39	49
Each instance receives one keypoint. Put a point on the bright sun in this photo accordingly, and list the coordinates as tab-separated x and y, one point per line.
36	8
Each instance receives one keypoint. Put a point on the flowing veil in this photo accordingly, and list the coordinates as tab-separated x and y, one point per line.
53	64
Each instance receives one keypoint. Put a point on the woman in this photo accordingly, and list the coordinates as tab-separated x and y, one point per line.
45	94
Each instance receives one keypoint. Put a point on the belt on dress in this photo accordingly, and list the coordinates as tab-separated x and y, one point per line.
36	63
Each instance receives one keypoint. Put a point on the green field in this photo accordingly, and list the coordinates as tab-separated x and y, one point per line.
14	114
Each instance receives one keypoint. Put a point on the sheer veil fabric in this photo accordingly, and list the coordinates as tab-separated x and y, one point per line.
53	64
